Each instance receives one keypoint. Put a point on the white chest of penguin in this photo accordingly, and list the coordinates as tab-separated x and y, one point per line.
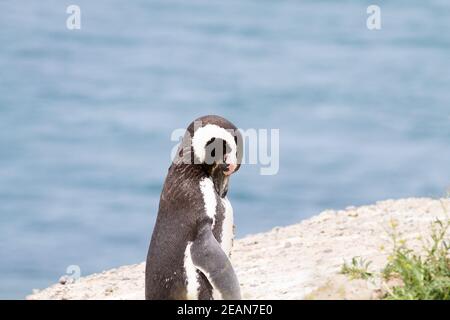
210	199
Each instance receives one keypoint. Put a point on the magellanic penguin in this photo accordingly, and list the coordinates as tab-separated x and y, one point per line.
189	252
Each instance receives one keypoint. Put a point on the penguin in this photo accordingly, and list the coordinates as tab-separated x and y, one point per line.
189	252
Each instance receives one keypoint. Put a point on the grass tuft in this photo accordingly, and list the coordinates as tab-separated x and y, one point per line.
421	277
357	269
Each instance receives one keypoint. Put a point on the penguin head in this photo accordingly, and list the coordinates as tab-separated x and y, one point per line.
219	156
215	144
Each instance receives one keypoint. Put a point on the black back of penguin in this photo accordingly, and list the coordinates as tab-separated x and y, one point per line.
183	222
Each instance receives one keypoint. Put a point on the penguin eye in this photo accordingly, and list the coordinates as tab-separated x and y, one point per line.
210	149
226	148
216	149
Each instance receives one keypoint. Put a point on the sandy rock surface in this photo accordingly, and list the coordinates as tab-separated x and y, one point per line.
294	262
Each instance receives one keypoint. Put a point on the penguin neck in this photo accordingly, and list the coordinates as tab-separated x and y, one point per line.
200	171
219	179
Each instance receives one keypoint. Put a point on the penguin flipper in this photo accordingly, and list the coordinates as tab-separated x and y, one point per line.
208	256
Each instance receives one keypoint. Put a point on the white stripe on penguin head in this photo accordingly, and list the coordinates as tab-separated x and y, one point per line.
204	134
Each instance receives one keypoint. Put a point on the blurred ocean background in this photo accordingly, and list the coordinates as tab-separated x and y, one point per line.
86	116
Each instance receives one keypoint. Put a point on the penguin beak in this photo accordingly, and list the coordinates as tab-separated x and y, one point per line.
230	170
231	165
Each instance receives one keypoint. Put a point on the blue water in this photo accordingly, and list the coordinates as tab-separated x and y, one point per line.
86	116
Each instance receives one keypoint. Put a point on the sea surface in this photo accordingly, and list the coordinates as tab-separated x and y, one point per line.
86	116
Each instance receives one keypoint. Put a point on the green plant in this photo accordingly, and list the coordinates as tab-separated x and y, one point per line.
357	269
422	277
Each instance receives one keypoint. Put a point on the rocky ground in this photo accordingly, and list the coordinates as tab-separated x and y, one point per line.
300	261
